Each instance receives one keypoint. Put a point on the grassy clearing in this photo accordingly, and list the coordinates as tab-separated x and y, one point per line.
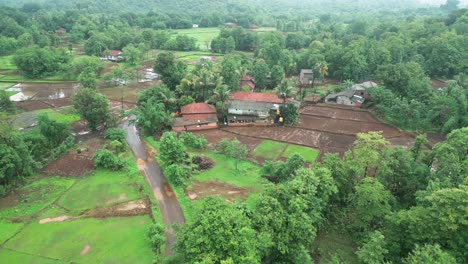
247	176
5	85
330	243
37	195
101	188
309	154
8	229
273	150
6	63
111	240
224	171
9	256
269	149
204	36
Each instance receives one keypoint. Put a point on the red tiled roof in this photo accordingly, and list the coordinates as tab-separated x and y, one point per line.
198	108
112	52
256	97
247	78
202	117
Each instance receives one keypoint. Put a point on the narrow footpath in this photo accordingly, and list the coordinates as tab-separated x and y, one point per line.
168	203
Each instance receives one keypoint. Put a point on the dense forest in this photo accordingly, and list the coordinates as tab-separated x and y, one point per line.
398	205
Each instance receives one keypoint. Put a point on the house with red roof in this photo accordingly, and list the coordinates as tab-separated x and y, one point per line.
247	81
250	107
196	116
112	55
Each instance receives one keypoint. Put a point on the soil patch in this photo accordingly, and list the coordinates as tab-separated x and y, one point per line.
80	126
90	146
199	190
132	208
32	105
214	136
70	165
55	219
10	201
86	249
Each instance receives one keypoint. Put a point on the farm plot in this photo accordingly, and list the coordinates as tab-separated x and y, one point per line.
99	218
343	121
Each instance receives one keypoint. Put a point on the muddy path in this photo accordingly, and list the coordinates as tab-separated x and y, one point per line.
168	203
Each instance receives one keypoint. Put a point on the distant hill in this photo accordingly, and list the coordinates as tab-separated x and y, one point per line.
196	7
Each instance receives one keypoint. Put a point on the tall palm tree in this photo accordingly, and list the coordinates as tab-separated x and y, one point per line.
222	93
320	71
284	90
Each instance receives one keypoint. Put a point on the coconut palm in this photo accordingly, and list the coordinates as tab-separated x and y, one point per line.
284	90
320	71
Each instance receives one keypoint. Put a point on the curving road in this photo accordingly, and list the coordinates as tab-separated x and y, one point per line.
168	203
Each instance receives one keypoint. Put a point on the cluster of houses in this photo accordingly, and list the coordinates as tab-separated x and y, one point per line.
243	108
248	108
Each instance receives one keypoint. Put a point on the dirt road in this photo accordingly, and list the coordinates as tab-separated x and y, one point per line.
168	203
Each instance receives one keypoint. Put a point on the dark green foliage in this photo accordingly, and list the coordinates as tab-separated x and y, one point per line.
153	117
177	174
16	161
278	171
93	107
54	132
192	141
171	72
369	205
171	149
219	233
155	235
106	159
5	104
373	251
429	254
233	149
115	134
450	158
290	114
37	62
287	216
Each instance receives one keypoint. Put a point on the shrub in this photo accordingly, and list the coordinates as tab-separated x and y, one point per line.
106	159
155	234
117	146
171	149
192	141
115	134
177	174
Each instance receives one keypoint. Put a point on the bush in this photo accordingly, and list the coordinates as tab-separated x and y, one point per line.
155	235
106	159
117	146
192	141
203	163
115	134
177	174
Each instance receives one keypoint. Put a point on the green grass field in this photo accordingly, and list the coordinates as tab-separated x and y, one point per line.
101	188
37	195
309	154
273	150
110	240
204	36
5	85
6	63
269	149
